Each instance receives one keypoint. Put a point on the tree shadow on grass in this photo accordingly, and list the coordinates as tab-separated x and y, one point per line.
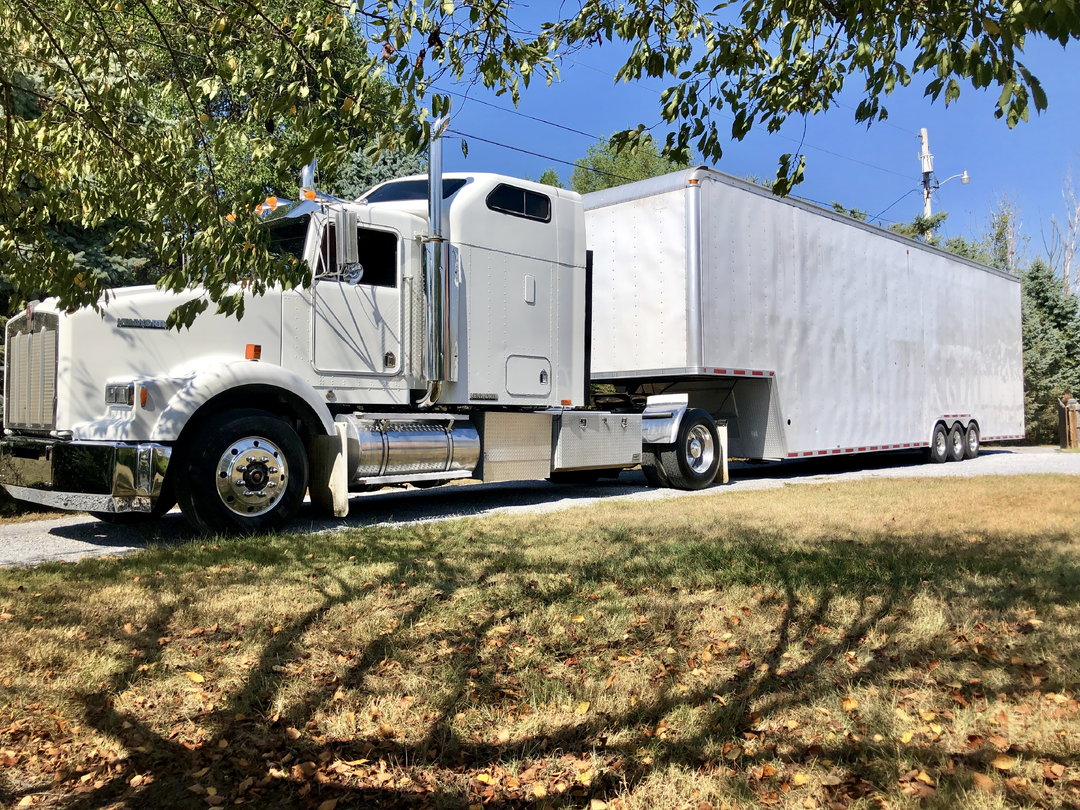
880	576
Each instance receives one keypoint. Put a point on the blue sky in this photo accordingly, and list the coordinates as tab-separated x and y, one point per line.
867	168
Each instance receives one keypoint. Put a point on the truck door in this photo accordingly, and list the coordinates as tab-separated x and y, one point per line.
356	315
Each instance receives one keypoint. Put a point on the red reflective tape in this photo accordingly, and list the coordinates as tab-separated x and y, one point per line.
758	373
772	373
837	450
809	453
823	452
739	371
792	455
862	449
718	371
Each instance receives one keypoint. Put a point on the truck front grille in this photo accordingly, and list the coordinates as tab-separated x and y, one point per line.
30	372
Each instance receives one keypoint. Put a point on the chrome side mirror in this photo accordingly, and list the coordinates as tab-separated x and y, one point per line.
345	228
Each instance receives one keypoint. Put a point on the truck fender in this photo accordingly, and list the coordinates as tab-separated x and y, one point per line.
661	418
209	381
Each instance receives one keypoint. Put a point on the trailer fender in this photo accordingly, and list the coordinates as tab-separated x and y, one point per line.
193	392
661	418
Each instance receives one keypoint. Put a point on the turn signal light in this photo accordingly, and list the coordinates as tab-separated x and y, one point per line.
253	351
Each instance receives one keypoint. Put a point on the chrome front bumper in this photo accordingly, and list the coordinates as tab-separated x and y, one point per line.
84	476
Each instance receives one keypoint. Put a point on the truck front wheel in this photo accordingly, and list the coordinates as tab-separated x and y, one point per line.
246	471
692	462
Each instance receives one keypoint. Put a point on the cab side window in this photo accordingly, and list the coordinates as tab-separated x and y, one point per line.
520	202
377	251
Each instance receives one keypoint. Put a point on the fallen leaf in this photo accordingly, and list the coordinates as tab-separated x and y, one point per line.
1053	771
579	619
923	777
329	804
539	791
1003	762
485	778
597	804
982	782
849	704
799	779
292	733
195	677
582	707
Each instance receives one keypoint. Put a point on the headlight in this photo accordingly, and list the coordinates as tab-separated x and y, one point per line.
120	394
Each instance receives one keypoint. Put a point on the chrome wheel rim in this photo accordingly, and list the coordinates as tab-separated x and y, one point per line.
251	476
700	450
972	441
941	443
957	444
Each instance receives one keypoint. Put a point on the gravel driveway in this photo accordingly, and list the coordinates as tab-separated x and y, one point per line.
76	536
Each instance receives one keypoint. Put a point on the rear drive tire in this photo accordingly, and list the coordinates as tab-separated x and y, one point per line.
971	441
957	443
651	469
939	445
246	472
692	462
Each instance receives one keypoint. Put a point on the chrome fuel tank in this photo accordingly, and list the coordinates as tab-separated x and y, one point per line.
409	444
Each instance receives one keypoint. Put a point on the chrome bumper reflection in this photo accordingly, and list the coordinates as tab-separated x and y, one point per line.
84	476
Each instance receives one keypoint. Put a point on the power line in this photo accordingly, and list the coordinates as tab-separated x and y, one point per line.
801	142
520	114
538	154
894	202
459	133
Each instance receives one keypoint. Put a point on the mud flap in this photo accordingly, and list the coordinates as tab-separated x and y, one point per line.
329	482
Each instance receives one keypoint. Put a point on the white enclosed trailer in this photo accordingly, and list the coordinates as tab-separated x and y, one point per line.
810	333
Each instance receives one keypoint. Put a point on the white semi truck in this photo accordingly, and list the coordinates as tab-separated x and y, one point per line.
448	332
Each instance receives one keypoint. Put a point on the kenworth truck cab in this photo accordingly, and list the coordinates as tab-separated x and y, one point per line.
444	334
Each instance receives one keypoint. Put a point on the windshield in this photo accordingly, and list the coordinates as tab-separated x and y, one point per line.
287	236
404	190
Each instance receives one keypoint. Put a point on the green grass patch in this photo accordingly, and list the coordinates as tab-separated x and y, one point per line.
870	644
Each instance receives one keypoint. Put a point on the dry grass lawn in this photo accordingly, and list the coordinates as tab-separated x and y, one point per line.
881	644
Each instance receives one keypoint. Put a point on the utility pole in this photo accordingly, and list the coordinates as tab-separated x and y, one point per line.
926	160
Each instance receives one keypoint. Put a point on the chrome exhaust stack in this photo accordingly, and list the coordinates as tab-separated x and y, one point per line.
438	335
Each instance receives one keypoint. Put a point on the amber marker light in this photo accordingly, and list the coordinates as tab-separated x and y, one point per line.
253	351
144	396
309	194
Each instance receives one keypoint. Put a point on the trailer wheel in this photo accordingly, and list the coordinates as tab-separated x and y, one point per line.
957	443
692	462
246	472
971	441
939	445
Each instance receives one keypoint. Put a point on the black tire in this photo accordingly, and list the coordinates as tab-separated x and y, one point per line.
650	467
692	462
971	441
939	445
956	443
244	472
